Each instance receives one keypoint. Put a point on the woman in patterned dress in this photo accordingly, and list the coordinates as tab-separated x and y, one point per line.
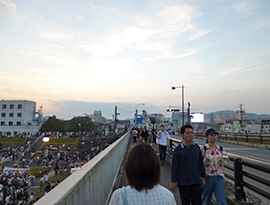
214	168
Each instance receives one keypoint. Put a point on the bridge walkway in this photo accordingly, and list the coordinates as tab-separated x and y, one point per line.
165	177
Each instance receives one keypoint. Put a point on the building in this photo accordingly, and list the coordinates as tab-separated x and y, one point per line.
177	119
249	126
226	118
18	116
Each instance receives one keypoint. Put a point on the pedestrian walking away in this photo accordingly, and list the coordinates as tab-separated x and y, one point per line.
154	133
188	172
214	166
145	135
163	137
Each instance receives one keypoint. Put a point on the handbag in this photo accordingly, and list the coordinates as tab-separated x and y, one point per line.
124	195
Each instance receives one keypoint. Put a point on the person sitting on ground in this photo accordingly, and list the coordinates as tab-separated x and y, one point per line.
143	174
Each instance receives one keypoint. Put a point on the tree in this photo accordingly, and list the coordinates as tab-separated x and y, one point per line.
82	124
76	124
54	125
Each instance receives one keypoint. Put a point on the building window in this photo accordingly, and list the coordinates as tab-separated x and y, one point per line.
11	106
2	122
10	123
19	123
3	115
11	114
19	114
20	106
29	123
4	106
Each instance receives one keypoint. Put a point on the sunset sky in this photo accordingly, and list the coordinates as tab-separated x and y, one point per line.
74	57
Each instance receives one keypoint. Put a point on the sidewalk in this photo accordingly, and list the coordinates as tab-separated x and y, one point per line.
166	180
165	177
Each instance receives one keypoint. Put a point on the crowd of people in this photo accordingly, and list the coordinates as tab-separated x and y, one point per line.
15	185
13	189
196	171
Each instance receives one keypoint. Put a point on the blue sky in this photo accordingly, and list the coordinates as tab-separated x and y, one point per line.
98	54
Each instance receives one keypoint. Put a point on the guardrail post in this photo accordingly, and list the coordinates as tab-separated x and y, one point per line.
171	143
235	138
261	140
238	180
246	137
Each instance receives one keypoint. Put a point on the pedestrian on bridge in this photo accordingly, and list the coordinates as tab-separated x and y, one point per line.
143	175
188	172
145	135
163	137
214	166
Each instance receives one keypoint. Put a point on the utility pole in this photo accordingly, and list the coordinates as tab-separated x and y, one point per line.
136	118
183	114
188	112
212	118
241	116
115	118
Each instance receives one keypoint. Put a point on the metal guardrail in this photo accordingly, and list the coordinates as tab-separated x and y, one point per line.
239	183
247	137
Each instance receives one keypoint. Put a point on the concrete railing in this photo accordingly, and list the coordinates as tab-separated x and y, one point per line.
93	183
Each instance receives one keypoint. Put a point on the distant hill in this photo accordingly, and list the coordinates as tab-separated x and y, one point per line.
251	116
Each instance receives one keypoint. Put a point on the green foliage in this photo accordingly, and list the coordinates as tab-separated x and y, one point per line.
37	172
60	141
13	141
76	124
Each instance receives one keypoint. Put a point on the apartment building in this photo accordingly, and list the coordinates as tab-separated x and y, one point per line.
17	116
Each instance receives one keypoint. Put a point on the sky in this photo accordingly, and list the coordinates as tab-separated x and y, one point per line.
74	57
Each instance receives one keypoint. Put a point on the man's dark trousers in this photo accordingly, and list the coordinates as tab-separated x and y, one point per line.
162	153
190	193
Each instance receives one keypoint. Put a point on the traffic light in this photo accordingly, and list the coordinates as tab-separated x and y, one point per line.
173	110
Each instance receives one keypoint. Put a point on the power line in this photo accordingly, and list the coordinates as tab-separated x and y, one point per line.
125	111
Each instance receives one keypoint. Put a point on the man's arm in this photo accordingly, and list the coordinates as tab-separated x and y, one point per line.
158	134
202	168
174	170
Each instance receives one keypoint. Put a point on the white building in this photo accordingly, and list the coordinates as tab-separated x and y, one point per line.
18	116
225	118
247	126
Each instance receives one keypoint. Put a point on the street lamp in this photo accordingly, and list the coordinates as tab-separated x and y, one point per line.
46	139
173	88
136	113
79	129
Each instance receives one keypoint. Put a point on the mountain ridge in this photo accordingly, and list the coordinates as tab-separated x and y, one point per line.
251	116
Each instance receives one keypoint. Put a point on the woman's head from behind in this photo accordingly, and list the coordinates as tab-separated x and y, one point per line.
142	167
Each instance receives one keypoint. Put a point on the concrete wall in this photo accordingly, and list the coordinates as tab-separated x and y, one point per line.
93	183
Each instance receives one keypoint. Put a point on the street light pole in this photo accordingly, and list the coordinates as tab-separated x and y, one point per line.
183	114
136	113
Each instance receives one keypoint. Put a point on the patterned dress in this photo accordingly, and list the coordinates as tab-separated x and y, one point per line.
213	162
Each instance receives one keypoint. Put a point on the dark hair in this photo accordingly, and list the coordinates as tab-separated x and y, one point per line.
142	167
183	129
162	126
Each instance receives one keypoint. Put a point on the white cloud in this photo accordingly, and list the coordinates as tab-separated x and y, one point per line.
8	5
56	35
80	17
32	54
245	7
189	52
199	34
239	69
8	10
